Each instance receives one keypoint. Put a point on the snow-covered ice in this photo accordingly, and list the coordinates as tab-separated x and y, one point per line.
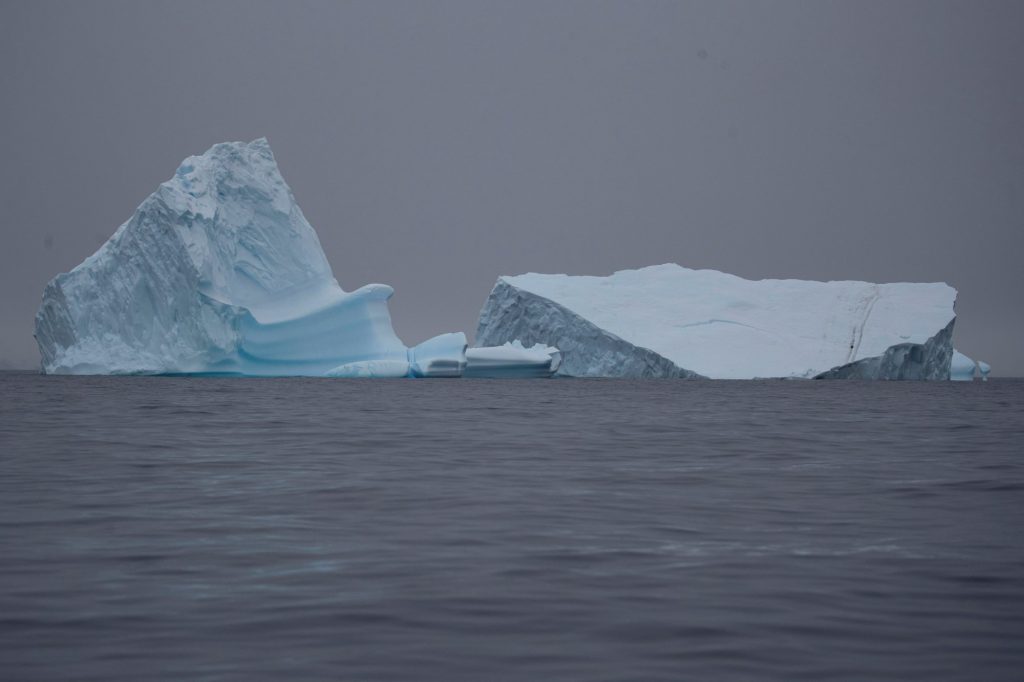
671	321
218	271
512	360
961	368
441	356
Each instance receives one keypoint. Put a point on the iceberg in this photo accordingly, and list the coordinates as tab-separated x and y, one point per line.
671	321
961	367
513	361
441	356
218	272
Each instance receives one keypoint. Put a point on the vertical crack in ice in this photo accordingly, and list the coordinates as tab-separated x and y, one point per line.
858	330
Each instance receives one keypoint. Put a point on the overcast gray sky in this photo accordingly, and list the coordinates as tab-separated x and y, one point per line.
437	145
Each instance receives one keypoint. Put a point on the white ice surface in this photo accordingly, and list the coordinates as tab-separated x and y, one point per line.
961	368
217	271
723	326
441	356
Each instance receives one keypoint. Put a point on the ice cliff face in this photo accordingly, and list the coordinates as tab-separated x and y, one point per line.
670	321
587	350
218	271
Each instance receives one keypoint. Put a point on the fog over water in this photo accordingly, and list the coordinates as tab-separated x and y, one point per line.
435	146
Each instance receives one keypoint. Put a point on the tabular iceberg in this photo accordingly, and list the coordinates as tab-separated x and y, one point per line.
219	272
671	321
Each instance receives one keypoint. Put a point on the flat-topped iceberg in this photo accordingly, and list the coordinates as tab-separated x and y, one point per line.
218	271
671	321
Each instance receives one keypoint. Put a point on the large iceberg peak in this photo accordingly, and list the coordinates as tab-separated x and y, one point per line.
241	226
216	271
245	170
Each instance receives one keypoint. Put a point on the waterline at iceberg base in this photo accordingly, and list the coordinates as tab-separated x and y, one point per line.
218	272
671	321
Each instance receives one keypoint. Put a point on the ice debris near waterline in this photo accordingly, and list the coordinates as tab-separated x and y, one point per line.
512	360
671	321
963	368
218	271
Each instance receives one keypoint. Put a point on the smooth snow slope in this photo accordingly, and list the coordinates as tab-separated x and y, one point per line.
667	320
217	271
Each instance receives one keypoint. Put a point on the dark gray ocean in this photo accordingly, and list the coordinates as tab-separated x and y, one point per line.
249	529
